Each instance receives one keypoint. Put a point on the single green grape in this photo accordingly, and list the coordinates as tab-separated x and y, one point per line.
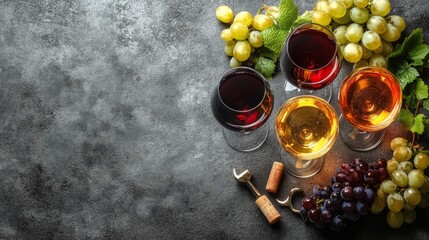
321	6
406	166
366	53
388	186
340	34
239	31
261	22
395	220
410	216
416	178
408	206
352	52
354	33
360	63
397	21
347	3
321	17
224	14
421	161
242	50
400	178
412	196
392	164
395	202
425	186
234	63
377	24
398	142
361	3
244	17
402	154
359	15
229	48
255	39
391	34
387	48
381	194
371	40
337	9
378	205
344	19
380	7
226	35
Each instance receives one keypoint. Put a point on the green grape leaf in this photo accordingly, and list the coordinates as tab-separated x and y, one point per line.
406	74
418	126
421	90
288	13
405	117
265	52
274	38
418	54
265	66
425	104
303	18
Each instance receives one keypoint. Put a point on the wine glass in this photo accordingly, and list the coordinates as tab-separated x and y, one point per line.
370	99
310	61
242	102
306	128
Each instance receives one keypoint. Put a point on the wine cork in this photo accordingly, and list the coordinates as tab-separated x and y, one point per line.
267	208
275	177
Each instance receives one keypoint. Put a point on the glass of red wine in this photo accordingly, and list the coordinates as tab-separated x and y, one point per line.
310	61
242	102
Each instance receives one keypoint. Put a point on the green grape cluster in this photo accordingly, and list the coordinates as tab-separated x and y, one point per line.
244	32
407	188
363	28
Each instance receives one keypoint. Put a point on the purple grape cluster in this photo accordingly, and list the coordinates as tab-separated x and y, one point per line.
350	195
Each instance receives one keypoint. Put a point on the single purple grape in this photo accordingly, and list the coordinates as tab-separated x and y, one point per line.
380	163
317	190
329	205
359	192
370	177
337	223
308	203
313	215
326	216
349	207
345	167
336	187
335	197
382	174
369	195
352	177
341	177
362	207
347	193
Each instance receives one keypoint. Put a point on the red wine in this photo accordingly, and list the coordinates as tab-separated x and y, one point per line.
243	100
310	60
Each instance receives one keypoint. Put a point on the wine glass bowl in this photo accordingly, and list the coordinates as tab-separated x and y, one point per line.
242	102
370	99
306	128
310	61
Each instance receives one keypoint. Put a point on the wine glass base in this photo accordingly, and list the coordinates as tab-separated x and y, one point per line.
301	168
359	140
246	141
292	91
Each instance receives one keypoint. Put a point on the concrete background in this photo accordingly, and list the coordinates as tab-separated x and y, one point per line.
106	130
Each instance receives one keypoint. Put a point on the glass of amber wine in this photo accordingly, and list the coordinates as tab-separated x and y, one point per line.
242	102
306	128
370	99
310	61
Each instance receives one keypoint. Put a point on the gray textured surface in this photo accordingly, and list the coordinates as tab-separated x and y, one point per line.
106	130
